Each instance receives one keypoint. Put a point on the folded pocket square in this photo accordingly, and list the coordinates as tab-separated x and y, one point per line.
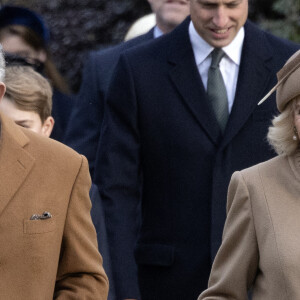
43	216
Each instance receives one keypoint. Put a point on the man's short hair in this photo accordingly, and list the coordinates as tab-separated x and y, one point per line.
29	90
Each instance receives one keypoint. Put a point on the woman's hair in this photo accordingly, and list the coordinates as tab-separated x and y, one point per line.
28	90
32	39
280	135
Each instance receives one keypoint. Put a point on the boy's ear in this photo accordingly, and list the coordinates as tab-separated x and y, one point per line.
2	90
47	126
42	56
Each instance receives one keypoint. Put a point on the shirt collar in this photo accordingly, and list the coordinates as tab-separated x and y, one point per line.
157	32
234	49
202	49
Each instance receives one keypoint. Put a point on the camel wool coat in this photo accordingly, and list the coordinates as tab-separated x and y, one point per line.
261	238
55	257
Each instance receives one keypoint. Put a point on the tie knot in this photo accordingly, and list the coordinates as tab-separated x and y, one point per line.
216	56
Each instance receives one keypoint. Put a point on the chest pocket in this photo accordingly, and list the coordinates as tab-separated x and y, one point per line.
39	226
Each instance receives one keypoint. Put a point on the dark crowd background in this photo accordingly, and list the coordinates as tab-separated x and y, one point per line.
79	26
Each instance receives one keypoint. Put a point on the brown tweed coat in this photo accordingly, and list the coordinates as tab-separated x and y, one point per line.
53	258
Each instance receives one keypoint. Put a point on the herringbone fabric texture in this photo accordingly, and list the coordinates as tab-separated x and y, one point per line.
216	89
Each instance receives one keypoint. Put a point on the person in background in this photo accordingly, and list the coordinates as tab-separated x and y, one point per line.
48	244
28	99
24	34
84	127
261	241
181	116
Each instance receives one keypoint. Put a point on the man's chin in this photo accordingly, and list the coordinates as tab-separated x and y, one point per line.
219	42
173	20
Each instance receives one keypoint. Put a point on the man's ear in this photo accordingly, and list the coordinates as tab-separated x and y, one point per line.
47	126
2	90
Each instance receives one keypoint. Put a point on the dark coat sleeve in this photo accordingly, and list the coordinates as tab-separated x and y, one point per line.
61	110
118	179
84	125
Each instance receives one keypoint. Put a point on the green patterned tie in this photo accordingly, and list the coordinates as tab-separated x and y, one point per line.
216	89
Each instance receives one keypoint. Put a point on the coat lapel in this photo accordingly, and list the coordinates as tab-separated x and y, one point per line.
15	162
185	76
253	82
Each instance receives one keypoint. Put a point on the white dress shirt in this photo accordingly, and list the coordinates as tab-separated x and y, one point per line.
229	65
157	32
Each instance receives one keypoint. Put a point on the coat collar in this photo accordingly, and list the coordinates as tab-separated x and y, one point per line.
15	161
255	76
253	80
185	75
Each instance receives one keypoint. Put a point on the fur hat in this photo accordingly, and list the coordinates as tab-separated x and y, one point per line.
288	85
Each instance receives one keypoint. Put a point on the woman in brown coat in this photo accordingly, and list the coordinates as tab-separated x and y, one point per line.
261	239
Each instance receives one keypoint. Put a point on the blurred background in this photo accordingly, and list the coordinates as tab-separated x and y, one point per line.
78	26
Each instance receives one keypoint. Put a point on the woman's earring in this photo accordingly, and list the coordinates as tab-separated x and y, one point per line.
295	136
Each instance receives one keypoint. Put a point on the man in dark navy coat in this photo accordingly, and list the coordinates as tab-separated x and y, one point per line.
84	125
161	145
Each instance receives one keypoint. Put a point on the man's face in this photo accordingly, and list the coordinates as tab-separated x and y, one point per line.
218	21
170	13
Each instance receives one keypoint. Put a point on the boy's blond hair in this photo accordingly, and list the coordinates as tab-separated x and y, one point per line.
29	90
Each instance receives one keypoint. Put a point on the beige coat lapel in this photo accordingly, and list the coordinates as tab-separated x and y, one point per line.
15	161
